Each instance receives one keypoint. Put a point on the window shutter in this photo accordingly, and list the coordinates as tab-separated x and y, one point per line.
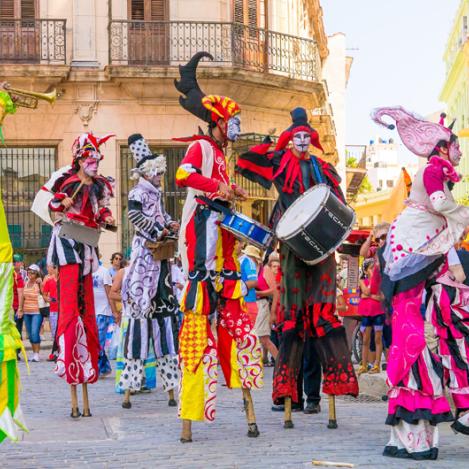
137	10
238	13
27	9
158	10
7	9
252	14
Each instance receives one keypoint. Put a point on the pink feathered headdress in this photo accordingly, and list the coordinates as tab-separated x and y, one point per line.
418	135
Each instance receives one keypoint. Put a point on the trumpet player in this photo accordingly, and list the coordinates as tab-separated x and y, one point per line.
80	198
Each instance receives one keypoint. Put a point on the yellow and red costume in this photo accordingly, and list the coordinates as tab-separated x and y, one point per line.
214	281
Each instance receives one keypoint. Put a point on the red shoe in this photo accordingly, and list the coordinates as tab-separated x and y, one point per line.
52	358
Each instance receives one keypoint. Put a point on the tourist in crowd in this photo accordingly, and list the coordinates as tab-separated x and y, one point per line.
249	263
116	264
266	286
371	311
102	283
29	307
179	280
49	292
18	285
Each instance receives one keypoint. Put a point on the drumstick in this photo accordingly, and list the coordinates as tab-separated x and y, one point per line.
78	190
332	464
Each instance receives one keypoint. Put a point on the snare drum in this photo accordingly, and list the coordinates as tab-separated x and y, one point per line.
316	224
247	229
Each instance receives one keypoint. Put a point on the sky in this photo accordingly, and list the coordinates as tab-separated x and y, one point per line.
398	47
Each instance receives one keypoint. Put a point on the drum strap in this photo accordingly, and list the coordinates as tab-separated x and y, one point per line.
317	172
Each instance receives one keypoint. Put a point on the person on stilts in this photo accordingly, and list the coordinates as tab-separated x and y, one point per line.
147	293
80	200
307	292
209	258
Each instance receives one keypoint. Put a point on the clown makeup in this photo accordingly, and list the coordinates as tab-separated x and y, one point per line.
233	128
454	153
156	180
301	141
91	163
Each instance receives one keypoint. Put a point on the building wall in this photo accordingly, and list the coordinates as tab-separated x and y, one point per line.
455	92
101	97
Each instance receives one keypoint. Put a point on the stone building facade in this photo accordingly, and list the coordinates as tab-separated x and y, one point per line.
113	63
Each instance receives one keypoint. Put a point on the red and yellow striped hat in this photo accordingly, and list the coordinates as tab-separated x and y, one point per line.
220	107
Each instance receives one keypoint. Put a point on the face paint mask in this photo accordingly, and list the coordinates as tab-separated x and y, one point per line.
156	180
301	141
233	129
454	153
91	164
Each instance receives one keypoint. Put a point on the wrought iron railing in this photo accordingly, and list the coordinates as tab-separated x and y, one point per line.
32	41
231	44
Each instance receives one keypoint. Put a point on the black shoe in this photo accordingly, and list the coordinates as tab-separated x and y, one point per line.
172	403
312	408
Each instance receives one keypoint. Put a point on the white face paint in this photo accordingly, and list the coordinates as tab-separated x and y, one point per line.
91	163
301	141
454	153
233	128
156	179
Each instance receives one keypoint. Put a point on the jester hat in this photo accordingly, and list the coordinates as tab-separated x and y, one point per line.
299	124
87	143
209	108
417	134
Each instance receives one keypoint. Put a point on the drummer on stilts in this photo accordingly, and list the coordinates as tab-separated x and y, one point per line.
307	293
209	258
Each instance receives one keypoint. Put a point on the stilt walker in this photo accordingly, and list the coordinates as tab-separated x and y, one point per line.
209	259
80	198
147	293
307	292
417	257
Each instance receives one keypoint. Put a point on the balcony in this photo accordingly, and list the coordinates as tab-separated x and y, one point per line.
155	43
32	41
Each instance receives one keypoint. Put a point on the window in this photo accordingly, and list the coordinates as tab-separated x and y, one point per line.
148	10
252	13
174	196
23	171
19	9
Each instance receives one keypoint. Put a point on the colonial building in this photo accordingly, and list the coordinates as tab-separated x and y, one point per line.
455	92
113	64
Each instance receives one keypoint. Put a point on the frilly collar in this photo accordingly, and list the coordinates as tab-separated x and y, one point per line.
448	169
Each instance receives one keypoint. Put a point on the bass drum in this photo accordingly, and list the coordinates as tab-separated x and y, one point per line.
315	225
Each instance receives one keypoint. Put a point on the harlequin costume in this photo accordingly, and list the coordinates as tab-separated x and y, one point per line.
147	288
11	416
214	280
308	293
416	255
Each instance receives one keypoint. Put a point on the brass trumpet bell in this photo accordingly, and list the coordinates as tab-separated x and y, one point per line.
30	99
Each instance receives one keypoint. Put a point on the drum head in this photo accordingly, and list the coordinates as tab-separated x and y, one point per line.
302	211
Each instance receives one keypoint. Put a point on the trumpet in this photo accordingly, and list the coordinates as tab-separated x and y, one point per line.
30	99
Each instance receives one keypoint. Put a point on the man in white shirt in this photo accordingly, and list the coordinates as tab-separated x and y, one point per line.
102	283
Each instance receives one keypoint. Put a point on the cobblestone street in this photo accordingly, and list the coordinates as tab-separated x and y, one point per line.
147	435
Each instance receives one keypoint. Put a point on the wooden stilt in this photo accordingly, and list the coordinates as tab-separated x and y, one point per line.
171	401
186	434
86	402
332	415
288	422
126	404
75	411
253	431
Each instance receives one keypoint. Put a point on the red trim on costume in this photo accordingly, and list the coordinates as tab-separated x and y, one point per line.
264	171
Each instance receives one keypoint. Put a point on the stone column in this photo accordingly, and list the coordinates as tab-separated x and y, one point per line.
84	34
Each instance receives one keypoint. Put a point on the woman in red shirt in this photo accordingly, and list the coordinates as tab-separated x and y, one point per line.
49	292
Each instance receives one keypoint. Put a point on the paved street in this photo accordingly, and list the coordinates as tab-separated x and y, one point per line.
147	435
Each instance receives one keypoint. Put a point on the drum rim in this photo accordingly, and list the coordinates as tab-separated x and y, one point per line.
328	253
296	202
238	234
250	220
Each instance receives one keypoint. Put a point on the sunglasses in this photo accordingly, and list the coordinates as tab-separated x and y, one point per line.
381	238
117	258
